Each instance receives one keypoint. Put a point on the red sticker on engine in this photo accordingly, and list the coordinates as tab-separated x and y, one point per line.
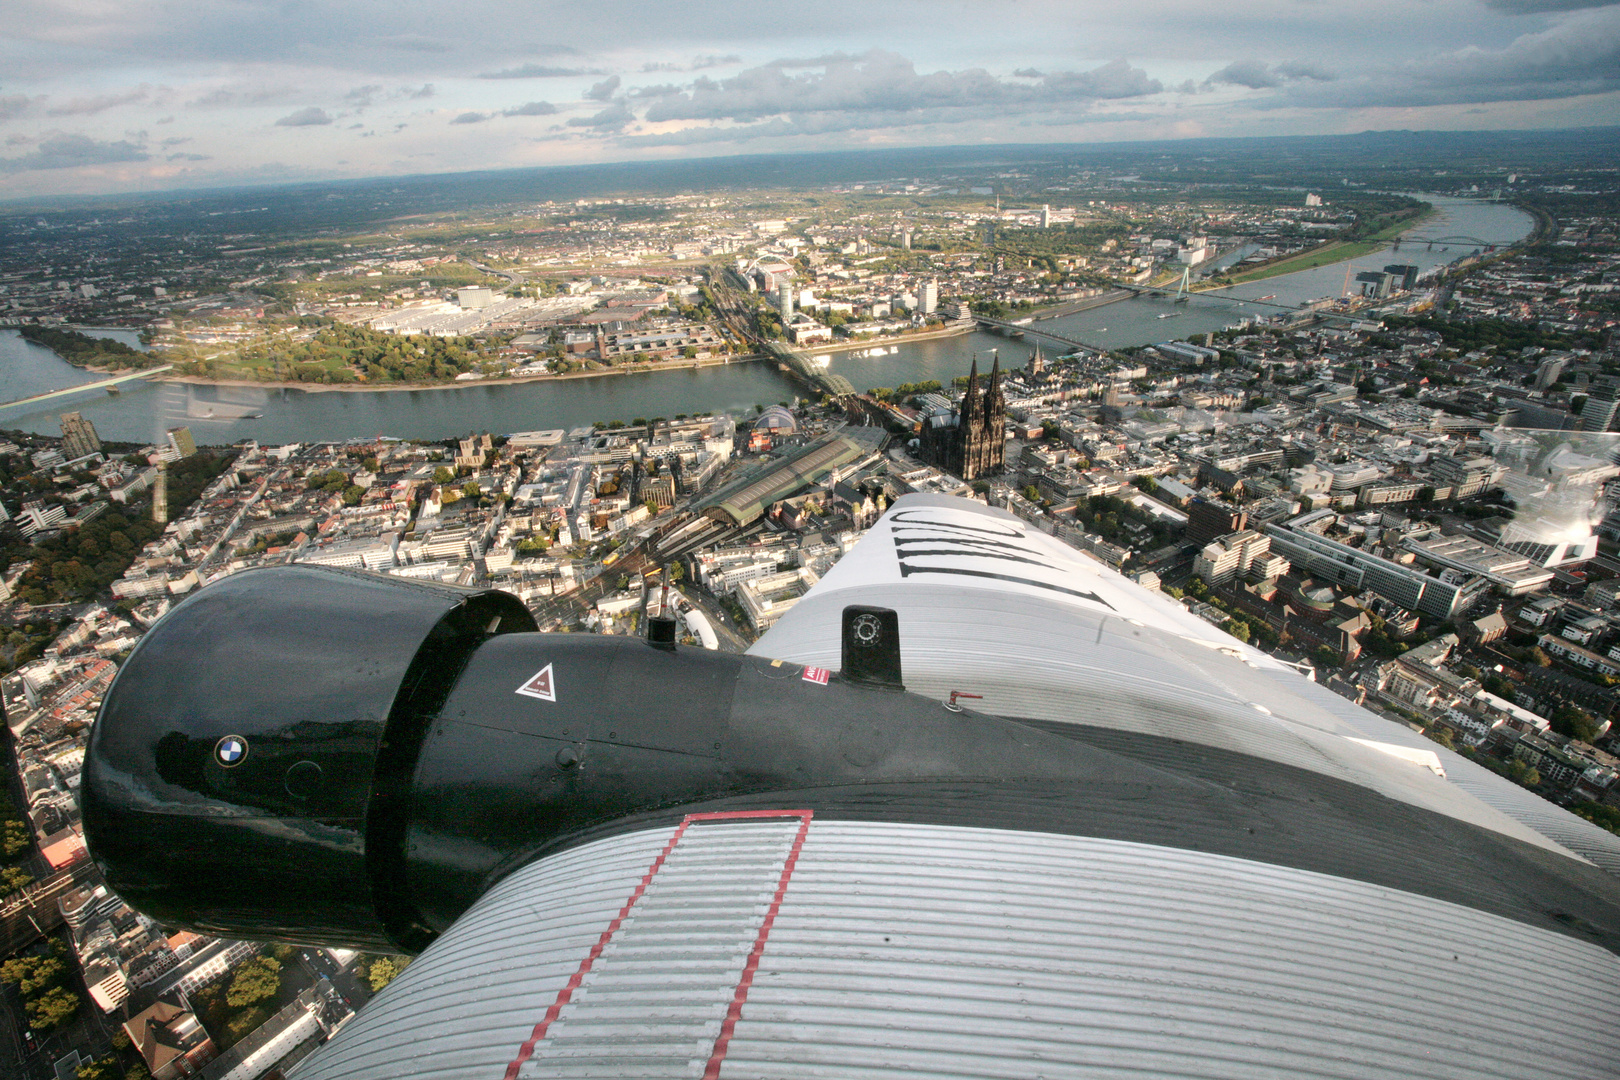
817	675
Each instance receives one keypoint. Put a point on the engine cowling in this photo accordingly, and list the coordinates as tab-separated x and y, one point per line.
330	757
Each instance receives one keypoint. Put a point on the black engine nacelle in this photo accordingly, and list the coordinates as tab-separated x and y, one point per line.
331	757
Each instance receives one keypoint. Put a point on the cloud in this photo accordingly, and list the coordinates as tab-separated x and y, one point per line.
426	91
176	140
213	99
539	71
309	117
191	157
660	90
531	108
72	151
89	106
361	96
698	63
471	118
1029	73
1528	7
164	120
1295	69
251	95
603	91
1578	54
612	118
15	105
418	43
882	82
1258	75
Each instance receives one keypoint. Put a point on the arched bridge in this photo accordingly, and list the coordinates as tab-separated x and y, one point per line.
1432	240
801	365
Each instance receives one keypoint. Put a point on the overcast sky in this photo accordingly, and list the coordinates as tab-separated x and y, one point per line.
116	95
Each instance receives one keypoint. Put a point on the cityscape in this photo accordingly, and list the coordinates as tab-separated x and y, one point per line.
1351	398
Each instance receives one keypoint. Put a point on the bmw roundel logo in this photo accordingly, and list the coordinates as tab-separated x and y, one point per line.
230	751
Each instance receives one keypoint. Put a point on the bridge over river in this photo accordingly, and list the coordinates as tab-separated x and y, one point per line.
803	367
1011	328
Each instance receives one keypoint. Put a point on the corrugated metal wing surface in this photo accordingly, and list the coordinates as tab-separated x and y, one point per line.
927	951
916	950
653	1003
464	1007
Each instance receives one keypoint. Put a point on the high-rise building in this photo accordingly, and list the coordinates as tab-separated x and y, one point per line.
78	437
160	494
1549	371
1405	275
928	298
181	442
1207	519
1046	217
971	441
784	301
905	239
1601	403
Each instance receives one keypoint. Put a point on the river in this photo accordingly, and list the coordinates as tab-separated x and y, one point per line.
216	414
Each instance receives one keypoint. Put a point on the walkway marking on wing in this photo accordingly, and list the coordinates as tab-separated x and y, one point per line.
742	918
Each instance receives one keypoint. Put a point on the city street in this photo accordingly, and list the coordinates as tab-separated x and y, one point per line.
320	964
725	627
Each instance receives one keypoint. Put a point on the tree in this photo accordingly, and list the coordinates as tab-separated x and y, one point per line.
443	475
52	1009
1574	722
471	489
1238	628
101	1069
13	878
1146	483
257	980
353	494
385	969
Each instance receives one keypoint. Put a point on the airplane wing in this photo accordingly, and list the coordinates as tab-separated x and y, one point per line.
1148	849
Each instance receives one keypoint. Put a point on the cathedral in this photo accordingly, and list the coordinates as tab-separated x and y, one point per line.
971	440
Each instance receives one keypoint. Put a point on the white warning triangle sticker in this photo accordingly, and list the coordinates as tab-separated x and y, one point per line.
540	686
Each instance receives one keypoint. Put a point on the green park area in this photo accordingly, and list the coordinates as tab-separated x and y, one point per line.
43	979
1383	229
249	994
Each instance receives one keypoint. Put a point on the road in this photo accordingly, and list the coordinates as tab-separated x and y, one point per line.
725	627
319	964
90	1033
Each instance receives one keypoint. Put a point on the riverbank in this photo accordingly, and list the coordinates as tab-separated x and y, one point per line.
872	343
468	384
518	380
1333	251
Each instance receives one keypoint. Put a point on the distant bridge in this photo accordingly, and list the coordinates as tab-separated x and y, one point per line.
1027	328
97	385
1433	240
